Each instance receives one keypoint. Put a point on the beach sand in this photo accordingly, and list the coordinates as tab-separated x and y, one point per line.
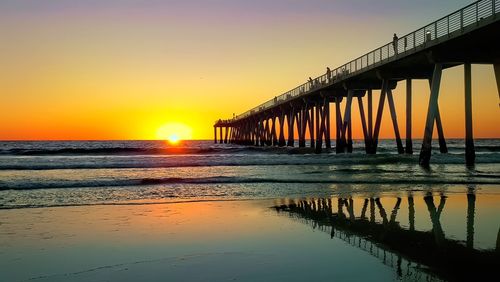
200	241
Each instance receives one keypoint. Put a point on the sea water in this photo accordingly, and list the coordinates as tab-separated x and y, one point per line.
66	173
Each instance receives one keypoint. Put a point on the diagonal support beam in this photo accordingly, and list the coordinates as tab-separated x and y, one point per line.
442	141
392	108
378	121
425	152
496	68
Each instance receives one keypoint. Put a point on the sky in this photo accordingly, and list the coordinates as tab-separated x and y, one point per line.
133	69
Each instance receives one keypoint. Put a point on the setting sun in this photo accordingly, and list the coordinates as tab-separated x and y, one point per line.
174	138
174	132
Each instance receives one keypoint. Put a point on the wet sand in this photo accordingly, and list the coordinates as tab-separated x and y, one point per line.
230	240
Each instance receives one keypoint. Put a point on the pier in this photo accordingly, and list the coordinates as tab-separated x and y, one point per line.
467	36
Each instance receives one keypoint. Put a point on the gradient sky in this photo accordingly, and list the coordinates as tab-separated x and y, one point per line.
122	69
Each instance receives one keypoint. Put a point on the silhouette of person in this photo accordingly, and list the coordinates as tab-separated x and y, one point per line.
310	82
328	73
395	43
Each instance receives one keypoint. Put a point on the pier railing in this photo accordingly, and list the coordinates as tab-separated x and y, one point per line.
452	25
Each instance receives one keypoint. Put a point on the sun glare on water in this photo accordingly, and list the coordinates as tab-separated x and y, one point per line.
174	132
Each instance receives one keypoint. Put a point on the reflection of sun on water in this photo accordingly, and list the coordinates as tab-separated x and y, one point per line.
174	132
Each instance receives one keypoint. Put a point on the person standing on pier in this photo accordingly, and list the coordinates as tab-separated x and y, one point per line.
310	83
395	43
328	74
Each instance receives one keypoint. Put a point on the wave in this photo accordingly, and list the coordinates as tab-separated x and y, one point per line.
233	160
226	149
113	151
245	180
152	151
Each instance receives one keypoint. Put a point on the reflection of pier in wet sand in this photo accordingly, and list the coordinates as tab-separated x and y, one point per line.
414	254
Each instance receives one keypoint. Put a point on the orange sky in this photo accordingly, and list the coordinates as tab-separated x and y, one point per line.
123	69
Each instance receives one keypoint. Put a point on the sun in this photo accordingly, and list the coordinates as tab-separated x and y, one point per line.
173	138
174	132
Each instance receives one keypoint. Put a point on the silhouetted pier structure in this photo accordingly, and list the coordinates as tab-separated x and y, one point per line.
412	253
467	36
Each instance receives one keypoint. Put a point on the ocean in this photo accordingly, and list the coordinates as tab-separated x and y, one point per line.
199	211
71	173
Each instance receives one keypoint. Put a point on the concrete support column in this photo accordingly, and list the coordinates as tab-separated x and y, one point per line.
470	154
370	114
301	125
339	145
273	132
281	140
347	118
319	135
291	121
328	142
363	123
409	142
310	114
349	136
226	134
267	133
215	135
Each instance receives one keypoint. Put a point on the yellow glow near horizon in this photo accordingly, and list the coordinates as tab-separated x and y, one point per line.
174	132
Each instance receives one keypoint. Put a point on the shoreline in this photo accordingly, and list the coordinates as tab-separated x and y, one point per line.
450	188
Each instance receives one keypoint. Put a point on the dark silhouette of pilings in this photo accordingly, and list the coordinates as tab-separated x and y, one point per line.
279	126
309	119
471	208
392	243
